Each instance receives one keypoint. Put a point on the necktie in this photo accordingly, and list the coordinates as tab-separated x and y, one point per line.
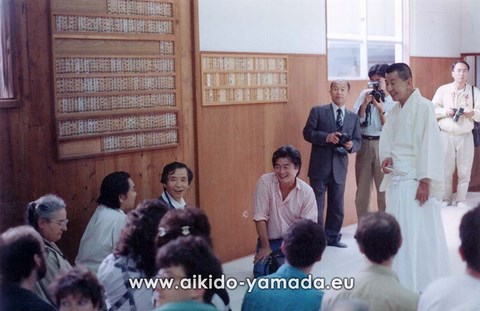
339	121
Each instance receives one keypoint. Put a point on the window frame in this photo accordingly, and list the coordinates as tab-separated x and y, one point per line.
400	42
17	9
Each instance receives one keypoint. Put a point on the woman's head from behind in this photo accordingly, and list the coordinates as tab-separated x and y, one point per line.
48	215
77	289
183	222
138	238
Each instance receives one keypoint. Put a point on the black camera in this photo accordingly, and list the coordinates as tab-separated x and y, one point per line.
344	138
379	96
458	113
377	93
341	140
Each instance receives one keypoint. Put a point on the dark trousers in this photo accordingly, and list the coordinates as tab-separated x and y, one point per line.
335	212
259	268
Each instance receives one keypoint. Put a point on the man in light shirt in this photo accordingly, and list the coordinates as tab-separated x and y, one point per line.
372	107
460	292
379	237
455	111
280	199
117	198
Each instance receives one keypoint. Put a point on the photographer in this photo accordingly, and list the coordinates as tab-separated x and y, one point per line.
455	111
372	106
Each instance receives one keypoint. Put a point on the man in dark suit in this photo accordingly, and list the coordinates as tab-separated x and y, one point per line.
334	133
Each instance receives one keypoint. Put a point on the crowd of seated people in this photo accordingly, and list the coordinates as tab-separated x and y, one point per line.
158	241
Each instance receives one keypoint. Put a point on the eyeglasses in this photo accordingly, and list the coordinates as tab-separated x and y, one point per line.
61	223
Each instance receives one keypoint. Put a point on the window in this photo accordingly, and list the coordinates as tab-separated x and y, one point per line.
9	53
361	33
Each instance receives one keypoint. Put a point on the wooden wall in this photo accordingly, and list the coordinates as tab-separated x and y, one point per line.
29	167
235	145
429	73
228	147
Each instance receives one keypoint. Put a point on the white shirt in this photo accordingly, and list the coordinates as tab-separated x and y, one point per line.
100	236
169	199
458	293
113	273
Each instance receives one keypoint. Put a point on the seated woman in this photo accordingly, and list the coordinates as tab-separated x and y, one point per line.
133	257
194	222
48	215
77	289
176	179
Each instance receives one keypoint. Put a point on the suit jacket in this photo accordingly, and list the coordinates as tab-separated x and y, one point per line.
324	161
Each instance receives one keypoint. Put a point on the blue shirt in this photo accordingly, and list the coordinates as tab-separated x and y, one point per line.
375	126
283	298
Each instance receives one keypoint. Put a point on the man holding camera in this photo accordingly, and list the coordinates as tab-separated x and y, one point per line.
334	133
455	111
372	107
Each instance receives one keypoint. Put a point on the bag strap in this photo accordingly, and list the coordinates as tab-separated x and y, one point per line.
473	97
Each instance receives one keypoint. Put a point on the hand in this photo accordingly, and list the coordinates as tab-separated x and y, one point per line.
387	162
451	112
378	104
262	254
468	113
367	100
348	145
333	138
423	192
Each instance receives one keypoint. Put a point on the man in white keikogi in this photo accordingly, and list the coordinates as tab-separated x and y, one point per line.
412	159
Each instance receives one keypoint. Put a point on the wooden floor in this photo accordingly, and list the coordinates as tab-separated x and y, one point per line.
347	262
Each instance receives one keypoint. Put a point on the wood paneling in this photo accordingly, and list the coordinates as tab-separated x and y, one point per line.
431	72
236	144
228	147
29	167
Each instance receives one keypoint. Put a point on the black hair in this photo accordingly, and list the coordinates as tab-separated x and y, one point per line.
378	235
182	222
305	243
18	246
470	238
170	168
196	257
113	185
378	69
403	70
290	152
77	281
461	62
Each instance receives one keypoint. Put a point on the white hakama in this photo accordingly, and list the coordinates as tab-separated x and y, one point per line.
423	255
411	138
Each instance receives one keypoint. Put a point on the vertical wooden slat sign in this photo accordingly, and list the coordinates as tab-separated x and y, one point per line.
116	76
